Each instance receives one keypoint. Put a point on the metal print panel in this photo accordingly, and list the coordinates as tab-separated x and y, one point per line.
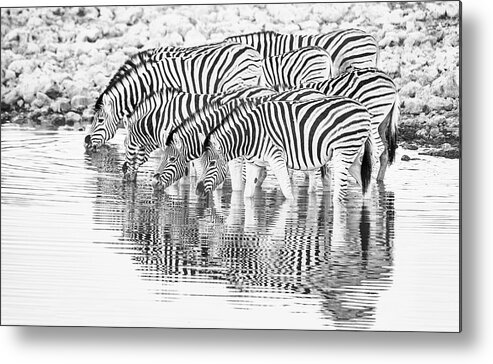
271	166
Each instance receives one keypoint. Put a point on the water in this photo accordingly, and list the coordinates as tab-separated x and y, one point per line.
81	247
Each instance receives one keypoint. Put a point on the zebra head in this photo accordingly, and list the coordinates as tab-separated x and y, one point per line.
104	124
173	165
215	168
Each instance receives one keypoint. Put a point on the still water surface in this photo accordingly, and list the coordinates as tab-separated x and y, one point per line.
82	247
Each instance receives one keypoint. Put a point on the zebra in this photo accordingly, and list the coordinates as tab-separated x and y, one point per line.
161	112
347	47
378	93
291	69
184	143
207	69
300	135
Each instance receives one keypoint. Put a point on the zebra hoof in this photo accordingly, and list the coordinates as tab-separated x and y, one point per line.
130	176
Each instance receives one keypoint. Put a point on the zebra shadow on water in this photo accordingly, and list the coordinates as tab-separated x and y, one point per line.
307	250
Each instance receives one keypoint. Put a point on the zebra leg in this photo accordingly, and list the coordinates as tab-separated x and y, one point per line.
384	160
326	174
141	158
235	171
279	167
220	186
251	179
262	175
312	181
341	170
131	152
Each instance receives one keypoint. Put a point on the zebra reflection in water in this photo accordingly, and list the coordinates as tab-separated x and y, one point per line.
340	256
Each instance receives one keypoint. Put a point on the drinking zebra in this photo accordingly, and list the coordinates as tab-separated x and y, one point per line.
291	69
347	48
185	143
378	93
158	114
301	135
207	69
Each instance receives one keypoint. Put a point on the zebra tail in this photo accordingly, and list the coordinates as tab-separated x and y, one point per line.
366	166
392	131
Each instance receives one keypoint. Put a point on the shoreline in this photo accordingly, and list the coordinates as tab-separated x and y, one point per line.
439	138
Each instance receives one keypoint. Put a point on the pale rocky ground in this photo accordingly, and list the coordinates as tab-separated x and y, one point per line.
56	61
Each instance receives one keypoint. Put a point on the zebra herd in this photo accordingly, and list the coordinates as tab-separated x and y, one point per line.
289	102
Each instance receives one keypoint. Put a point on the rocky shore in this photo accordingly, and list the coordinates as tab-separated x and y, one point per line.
56	61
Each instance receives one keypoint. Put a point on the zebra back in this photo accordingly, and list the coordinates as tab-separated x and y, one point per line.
372	88
307	130
347	48
303	65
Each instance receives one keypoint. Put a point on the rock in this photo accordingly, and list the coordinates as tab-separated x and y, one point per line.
405	158
80	102
194	37
37	103
414	39
436	103
434	132
4	107
72	117
8	75
62	105
11	97
87	115
169	23
90	35
309	25
391	39
78	126
22	66
53	91
57	120
105	13
446	146
286	13
446	86
43	98
410	89
128	16
173	39
413	106
32	48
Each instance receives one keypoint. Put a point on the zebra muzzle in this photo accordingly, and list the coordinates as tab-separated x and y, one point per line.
87	142
156	182
200	189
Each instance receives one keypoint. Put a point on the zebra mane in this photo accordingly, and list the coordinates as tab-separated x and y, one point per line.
207	109
253	34
130	64
149	55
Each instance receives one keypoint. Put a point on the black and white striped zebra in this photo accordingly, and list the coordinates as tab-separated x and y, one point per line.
302	135
378	93
297	67
157	115
347	48
185	143
207	69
